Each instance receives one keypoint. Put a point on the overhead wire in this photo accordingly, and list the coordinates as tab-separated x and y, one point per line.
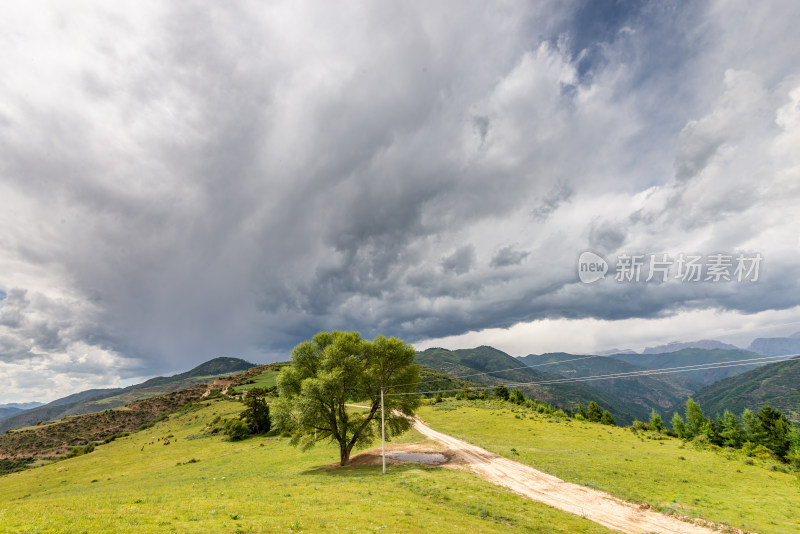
631	374
498	370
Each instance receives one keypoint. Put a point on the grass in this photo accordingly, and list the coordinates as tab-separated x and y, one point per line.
664	473
266	379
199	483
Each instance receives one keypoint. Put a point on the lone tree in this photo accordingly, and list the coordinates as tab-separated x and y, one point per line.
337	368
256	413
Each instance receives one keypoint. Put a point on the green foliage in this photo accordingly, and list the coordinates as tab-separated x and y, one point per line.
236	429
730	431
79	451
337	368
501	392
582	411
793	457
606	418
656	422
694	418
766	434
774	431
256	413
468	393
680	427
9	465
516	396
594	414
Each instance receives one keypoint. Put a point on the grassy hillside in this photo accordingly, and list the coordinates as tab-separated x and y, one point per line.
662	472
97	400
49	441
695	357
657	392
775	385
177	477
566	396
199	483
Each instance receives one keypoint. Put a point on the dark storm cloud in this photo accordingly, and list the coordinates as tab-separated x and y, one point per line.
460	261
562	192
606	237
508	256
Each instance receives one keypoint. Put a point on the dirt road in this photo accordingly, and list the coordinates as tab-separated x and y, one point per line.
585	502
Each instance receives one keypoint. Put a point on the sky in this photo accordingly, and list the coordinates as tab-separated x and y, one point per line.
181	181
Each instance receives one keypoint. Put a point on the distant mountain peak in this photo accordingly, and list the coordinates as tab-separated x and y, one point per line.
221	365
675	346
776	346
611	352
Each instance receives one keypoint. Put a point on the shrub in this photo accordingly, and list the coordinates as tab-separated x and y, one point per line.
236	429
79	451
607	418
516	396
501	392
794	458
594	413
655	421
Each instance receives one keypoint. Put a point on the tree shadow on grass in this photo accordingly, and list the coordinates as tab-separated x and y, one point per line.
352	470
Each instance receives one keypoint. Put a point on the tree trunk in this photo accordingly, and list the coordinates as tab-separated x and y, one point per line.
344	452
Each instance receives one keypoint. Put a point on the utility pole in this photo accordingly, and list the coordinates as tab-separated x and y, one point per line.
383	436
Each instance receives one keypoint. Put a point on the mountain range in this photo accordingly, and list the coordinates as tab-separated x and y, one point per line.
630	386
708	344
644	392
492	367
768	346
775	384
714	360
96	400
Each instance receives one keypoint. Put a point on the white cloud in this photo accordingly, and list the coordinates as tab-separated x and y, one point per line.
590	336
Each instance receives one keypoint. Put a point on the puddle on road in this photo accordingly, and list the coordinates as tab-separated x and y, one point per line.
429	458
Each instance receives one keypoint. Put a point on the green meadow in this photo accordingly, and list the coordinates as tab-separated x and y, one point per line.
665	473
266	379
200	483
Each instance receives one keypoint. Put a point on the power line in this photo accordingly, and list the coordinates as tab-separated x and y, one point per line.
498	370
644	372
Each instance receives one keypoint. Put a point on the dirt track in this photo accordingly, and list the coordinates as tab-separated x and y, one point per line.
585	502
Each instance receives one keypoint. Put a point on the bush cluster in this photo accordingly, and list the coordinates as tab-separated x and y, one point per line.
766	433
